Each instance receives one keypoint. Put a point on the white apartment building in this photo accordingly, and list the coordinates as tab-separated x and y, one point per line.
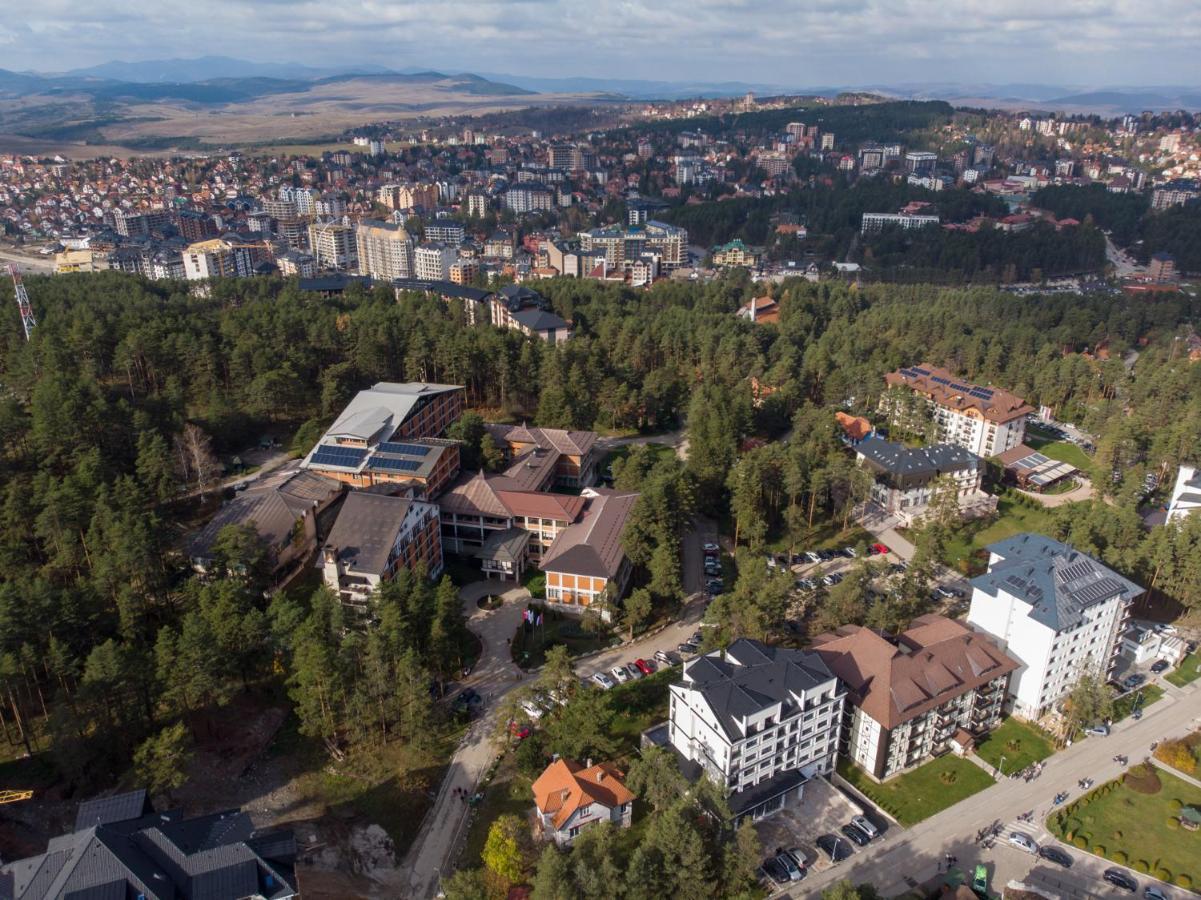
1186	493
385	251
432	262
1057	611
333	246
759	720
905	477
987	421
873	223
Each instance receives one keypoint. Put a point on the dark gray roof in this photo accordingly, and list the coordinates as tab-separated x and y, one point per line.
751	676
118	808
897	459
539	319
366	529
1058	581
333	284
443	288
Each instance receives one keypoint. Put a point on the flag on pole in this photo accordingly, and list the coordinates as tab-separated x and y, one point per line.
539	618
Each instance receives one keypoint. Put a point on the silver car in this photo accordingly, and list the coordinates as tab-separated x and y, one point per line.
865	826
1023	842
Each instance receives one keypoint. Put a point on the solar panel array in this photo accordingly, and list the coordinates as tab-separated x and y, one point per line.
395	463
1076	570
1098	590
402	449
334	455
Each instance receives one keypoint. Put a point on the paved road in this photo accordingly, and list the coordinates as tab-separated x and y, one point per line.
915	854
678	440
34	265
1083	491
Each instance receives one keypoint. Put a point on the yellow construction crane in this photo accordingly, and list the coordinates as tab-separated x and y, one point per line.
14	796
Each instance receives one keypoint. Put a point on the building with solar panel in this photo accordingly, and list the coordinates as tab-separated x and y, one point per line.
389	435
987	421
1058	611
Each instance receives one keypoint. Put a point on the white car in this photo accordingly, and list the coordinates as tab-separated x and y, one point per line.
635	672
865	826
531	709
621	674
603	681
1023	842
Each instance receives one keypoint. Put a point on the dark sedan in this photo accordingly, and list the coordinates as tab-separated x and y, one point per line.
1120	878
857	836
1055	855
834	847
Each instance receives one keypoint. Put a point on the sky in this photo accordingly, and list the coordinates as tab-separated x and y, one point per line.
794	43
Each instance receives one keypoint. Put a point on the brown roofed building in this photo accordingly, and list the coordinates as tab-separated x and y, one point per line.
854	428
760	310
910	695
570	797
985	420
576	464
587	556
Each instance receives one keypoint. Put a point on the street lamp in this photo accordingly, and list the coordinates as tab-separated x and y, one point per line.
1001	767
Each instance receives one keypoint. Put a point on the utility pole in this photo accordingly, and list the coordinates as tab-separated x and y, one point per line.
27	320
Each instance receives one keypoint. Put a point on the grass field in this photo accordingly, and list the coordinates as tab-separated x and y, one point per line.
1124	706
1013	517
1132	828
1187	672
1019	743
921	793
641	704
1064	451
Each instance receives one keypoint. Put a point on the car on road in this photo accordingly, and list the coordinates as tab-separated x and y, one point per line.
865	825
1155	893
857	837
1122	879
603	681
620	674
711	549
774	872
835	848
1160	665
1098	730
1051	853
788	864
1130	682
644	667
1023	842
667	657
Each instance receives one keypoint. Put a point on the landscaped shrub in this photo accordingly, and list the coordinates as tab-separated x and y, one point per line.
1163	875
1143	779
1099	850
1174	806
1117	835
1178	755
1173	823
948	777
1080	841
1184	881
1119	857
1141	865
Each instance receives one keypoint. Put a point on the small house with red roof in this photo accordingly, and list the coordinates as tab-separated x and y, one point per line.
570	797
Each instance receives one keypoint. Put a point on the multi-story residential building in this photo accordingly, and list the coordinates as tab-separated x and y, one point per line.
499	244
121	847
873	223
1186	494
388	434
758	720
987	421
417	196
132	224
570	797
463	271
527	311
920	162
290	511
586	559
296	263
827	140
477	205
194	226
577	450
527	198
1174	193
223	257
374	537
905	477
432	262
281	210
935	687
384	250
1058	611
333	246
622	246
445	231
735	253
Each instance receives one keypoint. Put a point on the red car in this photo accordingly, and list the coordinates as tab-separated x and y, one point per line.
644	667
519	730
879	548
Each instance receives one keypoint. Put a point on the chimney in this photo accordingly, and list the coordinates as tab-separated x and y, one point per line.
600	774
588	764
754	309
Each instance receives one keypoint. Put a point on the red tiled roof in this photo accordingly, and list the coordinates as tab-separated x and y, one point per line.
564	786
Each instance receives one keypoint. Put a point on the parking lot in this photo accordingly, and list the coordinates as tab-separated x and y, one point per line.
822	809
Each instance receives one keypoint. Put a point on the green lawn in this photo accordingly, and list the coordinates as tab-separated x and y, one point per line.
1013	517
922	792
508	792
1133	828
1018	742
1187	672
640	704
529	649
1124	706
1061	450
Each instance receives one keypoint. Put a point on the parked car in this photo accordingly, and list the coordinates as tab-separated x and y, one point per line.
1130	682
620	674
771	562
947	593
813	556
775	872
1100	730
825	555
865	825
711	548
835	848
519	730
788	864
797	559
1023	842
687	649
715	586
644	667
1155	892
712	567
1121	879
1166	629
1053	854
850	552
667	658
806	584
880	548
603	681
1160	665
832	579
532	709
635	672
798	857
857	837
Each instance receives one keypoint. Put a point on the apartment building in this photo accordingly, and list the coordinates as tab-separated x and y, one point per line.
735	253
389	434
759	720
904	477
445	231
374	537
477	205
1186	493
578	454
296	263
432	262
333	246
528	198
932	689
987	421
621	247
920	162
223	257
525	310
586	558
384	250
1057	611
874	223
